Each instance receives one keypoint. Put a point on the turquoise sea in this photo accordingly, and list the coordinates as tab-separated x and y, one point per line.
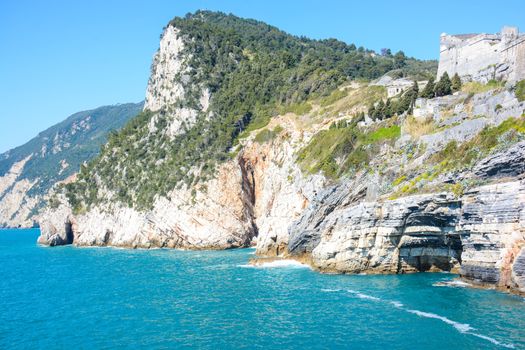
105	298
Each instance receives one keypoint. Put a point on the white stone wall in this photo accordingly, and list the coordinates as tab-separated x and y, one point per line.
483	57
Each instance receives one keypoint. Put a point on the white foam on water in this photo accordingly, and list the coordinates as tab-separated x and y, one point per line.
453	283
462	327
492	340
289	263
396	304
328	290
363	296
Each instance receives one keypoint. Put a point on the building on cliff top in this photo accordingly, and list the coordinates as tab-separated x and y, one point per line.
395	87
482	57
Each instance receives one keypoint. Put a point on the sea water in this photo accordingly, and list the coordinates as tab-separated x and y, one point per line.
106	298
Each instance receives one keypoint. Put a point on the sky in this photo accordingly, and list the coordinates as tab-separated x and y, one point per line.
61	57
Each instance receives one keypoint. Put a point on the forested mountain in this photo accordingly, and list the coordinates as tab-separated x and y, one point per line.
29	171
251	72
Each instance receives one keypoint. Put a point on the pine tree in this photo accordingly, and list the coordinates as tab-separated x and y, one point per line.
456	83
443	86
414	91
428	91
388	109
380	109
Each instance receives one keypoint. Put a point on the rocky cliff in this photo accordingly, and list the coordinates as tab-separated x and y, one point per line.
246	141
30	171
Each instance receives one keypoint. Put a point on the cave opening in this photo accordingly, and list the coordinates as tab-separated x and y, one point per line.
70	236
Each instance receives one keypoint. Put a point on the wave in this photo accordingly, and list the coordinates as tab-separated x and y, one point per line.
453	283
328	290
289	263
362	295
464	328
397	304
492	340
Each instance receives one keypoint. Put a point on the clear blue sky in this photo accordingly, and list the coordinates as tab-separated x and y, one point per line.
60	57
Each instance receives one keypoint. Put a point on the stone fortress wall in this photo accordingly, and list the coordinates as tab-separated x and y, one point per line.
482	57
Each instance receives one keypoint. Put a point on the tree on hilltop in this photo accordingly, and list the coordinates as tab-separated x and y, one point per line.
399	59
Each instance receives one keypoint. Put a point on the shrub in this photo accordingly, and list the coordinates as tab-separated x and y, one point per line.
520	91
455	156
266	135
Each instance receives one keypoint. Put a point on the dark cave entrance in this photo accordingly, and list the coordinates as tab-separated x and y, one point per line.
69	233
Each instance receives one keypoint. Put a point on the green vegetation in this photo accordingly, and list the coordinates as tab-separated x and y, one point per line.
335	96
456	157
455	83
475	87
520	91
70	142
443	86
296	108
254	71
344	149
383	134
428	91
266	135
386	110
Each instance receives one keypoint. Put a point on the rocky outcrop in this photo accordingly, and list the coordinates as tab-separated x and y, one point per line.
492	228
481	235
509	163
15	204
281	191
214	217
57	228
257	194
406	235
164	88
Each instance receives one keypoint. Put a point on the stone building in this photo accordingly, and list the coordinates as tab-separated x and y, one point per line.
482	57
394	87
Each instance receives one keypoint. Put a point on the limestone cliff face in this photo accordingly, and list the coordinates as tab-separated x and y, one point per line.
344	234
213	219
258	194
15	205
367	221
480	234
492	227
281	192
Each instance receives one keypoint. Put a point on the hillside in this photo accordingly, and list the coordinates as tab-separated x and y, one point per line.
29	171
234	75
251	136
